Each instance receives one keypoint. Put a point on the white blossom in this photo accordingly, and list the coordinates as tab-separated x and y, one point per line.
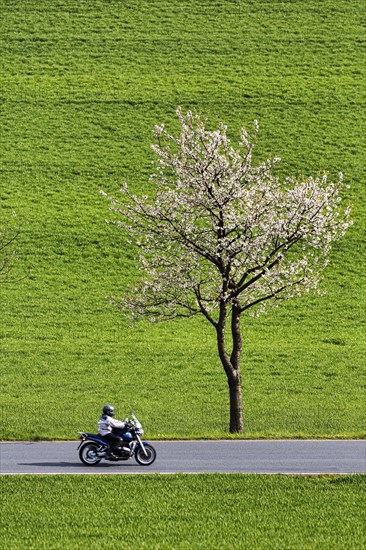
217	228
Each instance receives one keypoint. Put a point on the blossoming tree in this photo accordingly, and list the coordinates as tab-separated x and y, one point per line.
220	236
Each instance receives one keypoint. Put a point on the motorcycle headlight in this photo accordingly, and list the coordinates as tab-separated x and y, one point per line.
140	431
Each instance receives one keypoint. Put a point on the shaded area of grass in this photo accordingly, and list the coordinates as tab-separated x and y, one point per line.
82	86
181	511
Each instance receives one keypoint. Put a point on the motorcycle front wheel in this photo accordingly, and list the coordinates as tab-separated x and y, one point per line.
145	459
88	454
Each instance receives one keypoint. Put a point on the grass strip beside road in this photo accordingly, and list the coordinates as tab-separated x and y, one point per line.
183	511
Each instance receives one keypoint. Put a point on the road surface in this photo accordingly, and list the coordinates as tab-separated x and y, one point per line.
266	457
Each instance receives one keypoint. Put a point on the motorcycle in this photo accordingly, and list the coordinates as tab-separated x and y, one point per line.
92	448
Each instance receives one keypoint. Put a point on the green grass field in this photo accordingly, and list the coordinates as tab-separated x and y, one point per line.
182	511
82	85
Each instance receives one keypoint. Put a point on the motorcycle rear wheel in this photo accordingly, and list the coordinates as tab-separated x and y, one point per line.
145	460
88	454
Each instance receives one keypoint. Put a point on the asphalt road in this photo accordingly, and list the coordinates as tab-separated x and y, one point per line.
287	457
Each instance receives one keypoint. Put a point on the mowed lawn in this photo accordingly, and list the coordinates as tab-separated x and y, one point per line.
82	85
183	511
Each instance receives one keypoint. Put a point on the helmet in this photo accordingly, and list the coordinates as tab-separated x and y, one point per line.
108	410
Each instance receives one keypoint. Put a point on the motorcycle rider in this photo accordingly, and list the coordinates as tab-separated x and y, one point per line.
106	425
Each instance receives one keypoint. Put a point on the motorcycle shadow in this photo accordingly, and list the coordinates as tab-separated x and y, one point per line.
77	464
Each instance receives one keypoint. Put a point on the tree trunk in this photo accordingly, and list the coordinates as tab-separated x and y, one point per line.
232	365
236	408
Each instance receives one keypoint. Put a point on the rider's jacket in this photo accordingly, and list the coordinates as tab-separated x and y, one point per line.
107	423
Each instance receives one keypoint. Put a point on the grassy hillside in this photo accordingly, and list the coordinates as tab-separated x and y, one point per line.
83	83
